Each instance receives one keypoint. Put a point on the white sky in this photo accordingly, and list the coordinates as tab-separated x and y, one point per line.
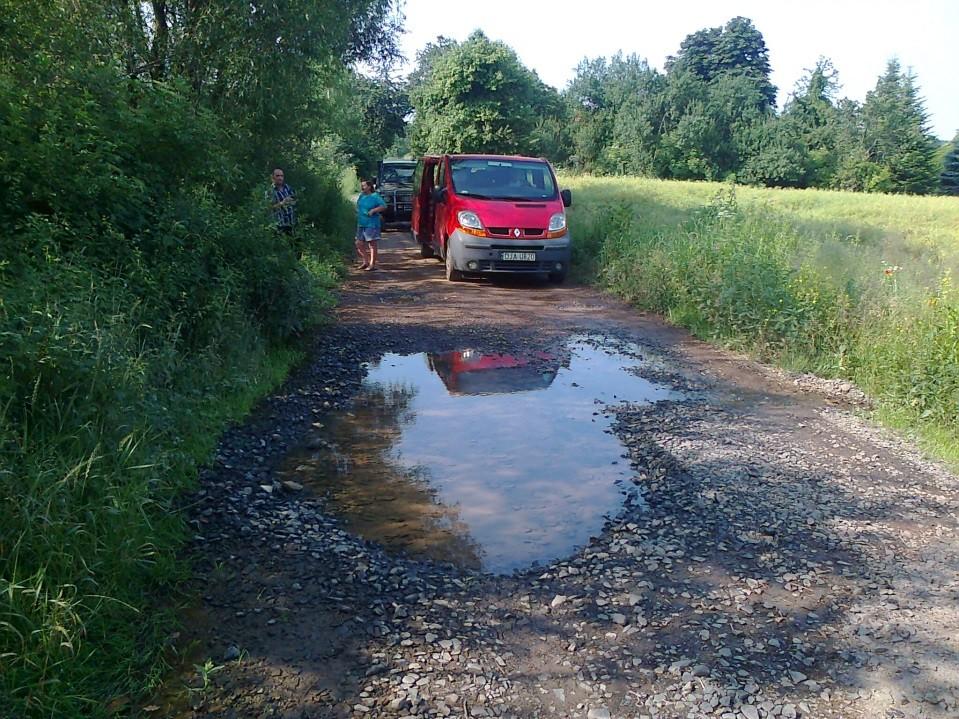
858	35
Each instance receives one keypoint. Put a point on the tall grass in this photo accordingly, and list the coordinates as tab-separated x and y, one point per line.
840	284
115	382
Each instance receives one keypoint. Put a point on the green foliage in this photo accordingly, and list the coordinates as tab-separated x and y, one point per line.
777	156
697	122
478	97
909	354
949	178
823	282
712	117
615	112
145	300
810	129
896	136
736	50
381	105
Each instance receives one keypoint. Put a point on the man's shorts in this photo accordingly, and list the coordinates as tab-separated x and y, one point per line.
368	234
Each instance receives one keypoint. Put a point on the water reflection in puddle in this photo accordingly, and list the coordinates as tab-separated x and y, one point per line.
491	462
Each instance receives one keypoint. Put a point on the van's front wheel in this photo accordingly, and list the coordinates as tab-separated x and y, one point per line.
452	274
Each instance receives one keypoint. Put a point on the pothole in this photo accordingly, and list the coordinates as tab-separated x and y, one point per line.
488	461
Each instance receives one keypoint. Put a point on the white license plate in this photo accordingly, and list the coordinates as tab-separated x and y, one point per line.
520	256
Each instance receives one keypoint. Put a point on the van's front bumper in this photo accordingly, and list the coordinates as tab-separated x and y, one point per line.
496	254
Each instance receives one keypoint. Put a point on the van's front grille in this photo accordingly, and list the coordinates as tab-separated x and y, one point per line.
524	231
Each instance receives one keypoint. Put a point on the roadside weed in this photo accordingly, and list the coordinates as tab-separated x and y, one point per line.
205	673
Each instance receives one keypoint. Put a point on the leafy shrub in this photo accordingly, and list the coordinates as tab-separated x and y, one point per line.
144	301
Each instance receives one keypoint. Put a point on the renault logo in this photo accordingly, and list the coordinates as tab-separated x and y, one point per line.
516	232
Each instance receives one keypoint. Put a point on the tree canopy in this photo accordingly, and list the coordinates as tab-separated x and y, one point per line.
712	115
477	97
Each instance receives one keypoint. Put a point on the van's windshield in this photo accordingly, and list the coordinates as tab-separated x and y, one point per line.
502	179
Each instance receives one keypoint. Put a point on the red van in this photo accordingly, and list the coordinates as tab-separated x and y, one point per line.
472	372
484	214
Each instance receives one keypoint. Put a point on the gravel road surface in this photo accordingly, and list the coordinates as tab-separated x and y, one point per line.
788	559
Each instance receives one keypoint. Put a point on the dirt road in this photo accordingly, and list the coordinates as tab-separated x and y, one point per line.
772	555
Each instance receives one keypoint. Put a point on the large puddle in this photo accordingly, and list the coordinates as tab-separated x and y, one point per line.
490	462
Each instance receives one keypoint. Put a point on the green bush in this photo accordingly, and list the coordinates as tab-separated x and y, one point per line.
144	302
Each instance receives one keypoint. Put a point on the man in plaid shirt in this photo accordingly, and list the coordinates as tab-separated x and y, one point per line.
283	203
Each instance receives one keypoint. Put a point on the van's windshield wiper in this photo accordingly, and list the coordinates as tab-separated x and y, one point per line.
476	195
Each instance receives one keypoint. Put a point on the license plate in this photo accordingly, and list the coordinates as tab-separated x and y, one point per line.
519	256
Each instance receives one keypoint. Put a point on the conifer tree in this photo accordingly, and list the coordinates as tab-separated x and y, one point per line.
897	136
949	179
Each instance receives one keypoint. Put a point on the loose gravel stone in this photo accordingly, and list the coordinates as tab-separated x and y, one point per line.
780	557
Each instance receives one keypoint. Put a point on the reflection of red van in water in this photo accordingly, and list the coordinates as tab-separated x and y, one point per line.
490	214
471	372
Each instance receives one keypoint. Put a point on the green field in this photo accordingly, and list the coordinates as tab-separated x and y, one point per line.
845	285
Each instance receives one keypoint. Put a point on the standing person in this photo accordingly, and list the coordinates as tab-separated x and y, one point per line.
369	207
283	203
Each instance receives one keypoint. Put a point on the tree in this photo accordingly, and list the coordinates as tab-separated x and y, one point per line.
378	108
717	93
634	147
897	136
427	58
811	119
736	49
708	126
949	178
589	112
478	97
254	63
615	114
855	170
140	279
778	155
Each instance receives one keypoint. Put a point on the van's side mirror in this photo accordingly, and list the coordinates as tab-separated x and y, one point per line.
439	194
567	197
375	180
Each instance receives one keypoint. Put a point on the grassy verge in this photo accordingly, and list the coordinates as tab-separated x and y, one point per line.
843	285
110	403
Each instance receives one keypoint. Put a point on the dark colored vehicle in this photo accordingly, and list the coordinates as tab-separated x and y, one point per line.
394	182
488	214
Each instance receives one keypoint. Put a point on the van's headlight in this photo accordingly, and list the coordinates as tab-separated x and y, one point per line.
557	225
470	222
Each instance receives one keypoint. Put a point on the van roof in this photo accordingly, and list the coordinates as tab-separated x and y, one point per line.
487	156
